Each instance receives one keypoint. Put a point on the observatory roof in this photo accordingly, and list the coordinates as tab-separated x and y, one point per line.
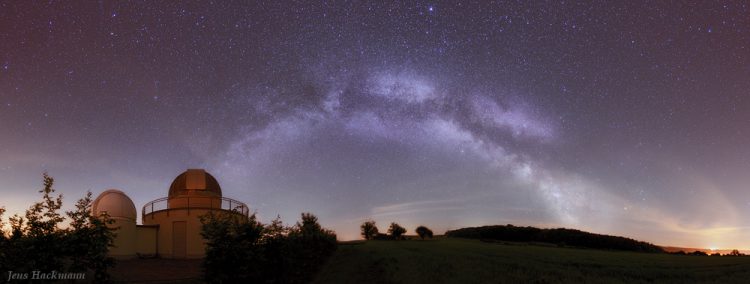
115	203
195	182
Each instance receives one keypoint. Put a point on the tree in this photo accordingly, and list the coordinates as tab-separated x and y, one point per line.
241	249
36	242
89	239
45	240
233	251
275	230
309	224
3	242
294	254
369	230
309	246
17	225
3	236
2	224
735	253
43	216
276	253
396	231
423	232
13	254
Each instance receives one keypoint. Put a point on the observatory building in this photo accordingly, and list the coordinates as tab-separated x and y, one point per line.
170	226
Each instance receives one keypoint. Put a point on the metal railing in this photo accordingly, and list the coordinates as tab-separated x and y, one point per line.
163	204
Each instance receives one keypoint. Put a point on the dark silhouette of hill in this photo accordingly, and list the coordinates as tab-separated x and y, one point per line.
559	236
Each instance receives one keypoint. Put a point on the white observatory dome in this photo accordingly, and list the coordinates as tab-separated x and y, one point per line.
115	203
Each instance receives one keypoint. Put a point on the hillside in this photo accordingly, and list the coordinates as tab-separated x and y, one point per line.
559	236
450	260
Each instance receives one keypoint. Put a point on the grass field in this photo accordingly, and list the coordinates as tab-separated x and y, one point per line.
449	260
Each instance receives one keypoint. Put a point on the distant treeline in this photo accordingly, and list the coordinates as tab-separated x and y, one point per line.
560	236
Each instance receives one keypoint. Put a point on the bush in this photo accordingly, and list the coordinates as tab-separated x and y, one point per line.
382	237
233	251
241	249
735	252
424	232
309	246
396	231
369	230
89	239
36	242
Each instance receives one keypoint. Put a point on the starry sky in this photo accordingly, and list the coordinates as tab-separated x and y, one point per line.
627	117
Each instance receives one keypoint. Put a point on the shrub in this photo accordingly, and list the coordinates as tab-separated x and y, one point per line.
89	239
396	231
241	249
382	237
424	232
369	230
233	251
309	245
36	242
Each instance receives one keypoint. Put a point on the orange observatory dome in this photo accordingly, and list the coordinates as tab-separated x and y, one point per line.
195	182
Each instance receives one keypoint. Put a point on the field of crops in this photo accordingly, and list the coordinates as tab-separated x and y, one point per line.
451	260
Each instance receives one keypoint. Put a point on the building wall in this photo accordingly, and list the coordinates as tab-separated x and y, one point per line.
125	241
195	244
146	237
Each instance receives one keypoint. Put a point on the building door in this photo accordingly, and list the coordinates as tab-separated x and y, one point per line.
179	239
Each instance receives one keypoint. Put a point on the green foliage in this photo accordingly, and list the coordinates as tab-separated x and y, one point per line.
396	231
88	240
13	255
3	241
275	245
424	232
43	217
735	252
17	225
369	230
36	242
568	237
44	241
309	245
233	251
2	224
241	249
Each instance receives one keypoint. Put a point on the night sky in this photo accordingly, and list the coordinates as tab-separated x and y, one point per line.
626	118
